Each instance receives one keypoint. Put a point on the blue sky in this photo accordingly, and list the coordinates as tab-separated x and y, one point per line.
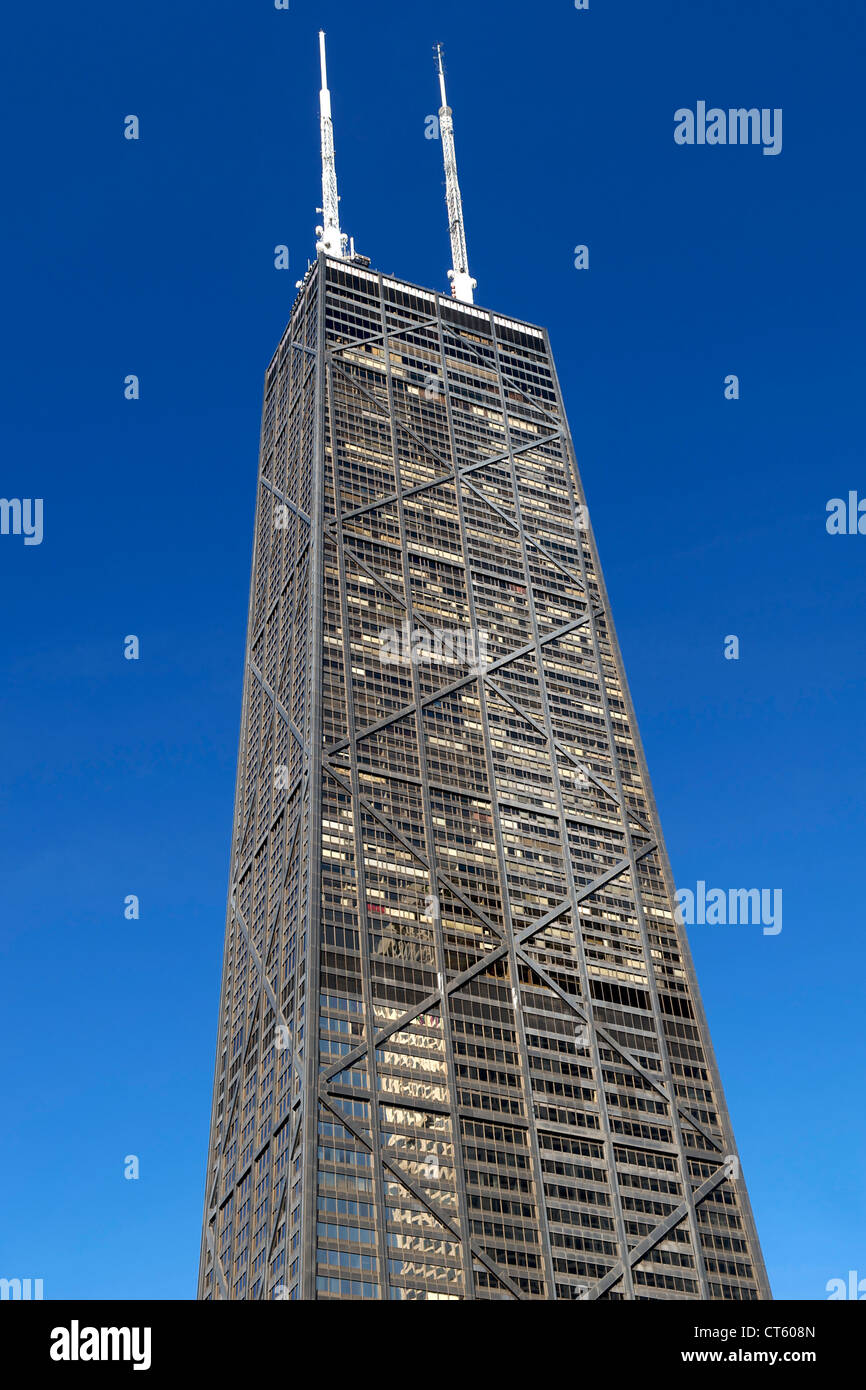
156	258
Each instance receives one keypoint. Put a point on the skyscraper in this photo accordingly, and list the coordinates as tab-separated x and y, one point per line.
461	1051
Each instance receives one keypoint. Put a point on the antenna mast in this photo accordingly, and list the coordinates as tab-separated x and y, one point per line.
331	240
462	283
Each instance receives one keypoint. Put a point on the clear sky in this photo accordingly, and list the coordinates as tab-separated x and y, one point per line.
156	257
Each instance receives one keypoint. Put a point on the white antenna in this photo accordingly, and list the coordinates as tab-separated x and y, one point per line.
462	283
331	240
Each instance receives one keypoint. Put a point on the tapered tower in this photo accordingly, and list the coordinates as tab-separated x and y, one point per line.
461	1050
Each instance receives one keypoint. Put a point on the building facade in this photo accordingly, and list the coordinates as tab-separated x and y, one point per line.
461	1050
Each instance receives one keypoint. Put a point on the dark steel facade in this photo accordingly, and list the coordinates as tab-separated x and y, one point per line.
461	1050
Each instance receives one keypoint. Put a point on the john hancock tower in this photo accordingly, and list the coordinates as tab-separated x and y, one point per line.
461	1051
